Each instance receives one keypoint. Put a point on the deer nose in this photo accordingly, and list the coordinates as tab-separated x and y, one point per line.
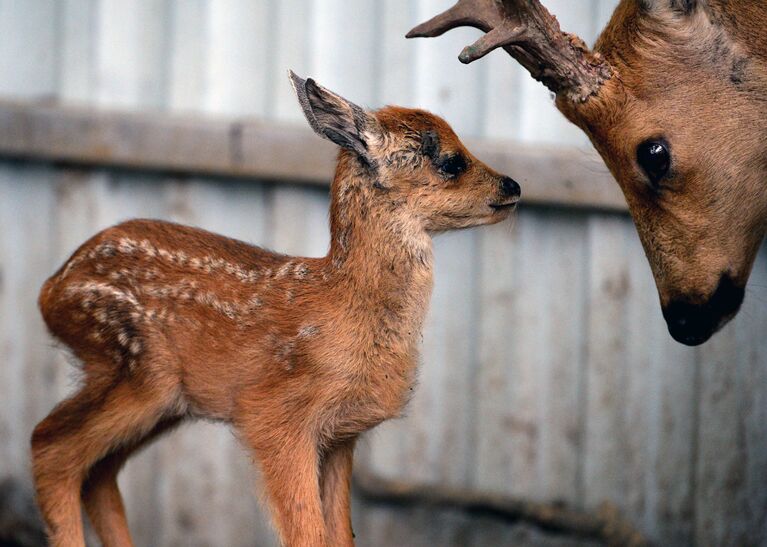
688	323
692	324
510	187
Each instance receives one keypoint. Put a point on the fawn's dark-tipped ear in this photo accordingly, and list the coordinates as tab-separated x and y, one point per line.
333	117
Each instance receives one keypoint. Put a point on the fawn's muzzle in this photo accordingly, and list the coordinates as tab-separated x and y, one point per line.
692	324
510	188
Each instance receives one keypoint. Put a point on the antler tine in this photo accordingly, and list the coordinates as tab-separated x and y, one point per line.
505	34
530	34
483	14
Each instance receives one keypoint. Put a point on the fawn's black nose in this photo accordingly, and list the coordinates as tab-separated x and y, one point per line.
510	188
693	324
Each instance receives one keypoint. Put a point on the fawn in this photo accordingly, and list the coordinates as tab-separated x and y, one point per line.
299	355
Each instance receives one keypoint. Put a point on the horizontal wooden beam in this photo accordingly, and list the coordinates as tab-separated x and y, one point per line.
251	148
607	524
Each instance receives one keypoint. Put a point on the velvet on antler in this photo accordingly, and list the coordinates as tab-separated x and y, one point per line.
530	34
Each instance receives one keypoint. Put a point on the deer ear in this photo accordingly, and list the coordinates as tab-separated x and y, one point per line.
333	117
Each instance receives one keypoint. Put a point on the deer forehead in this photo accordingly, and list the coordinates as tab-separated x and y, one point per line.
659	51
409	124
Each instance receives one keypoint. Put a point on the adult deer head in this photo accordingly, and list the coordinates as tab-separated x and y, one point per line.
674	98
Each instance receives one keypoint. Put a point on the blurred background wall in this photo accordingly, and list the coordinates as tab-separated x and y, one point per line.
547	370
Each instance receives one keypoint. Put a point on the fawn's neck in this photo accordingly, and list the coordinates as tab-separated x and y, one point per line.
379	252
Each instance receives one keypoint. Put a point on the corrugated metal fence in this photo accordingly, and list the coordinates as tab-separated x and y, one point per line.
547	369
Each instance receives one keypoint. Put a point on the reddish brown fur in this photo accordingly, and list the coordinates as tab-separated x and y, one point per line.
675	79
299	355
694	74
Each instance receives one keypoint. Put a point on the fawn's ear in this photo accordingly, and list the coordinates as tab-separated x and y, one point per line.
333	117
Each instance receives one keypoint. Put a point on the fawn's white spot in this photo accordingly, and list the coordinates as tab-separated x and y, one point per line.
284	269
307	331
300	271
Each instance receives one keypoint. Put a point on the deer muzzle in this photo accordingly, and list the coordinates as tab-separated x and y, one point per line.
694	323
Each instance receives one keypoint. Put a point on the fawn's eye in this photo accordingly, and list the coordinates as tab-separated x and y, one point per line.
654	158
452	166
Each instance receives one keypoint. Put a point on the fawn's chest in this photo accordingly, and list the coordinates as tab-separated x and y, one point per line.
378	392
380	369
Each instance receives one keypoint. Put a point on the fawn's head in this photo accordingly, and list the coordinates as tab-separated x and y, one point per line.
678	111
408	160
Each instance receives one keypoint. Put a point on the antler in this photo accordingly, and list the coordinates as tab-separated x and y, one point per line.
530	34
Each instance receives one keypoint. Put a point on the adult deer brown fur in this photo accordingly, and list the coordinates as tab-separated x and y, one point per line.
299	355
674	98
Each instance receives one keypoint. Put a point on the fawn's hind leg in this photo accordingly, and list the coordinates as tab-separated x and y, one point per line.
101	495
78	433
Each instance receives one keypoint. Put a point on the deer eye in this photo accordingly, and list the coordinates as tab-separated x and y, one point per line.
654	159
452	166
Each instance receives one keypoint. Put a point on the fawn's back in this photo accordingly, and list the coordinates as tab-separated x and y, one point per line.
155	292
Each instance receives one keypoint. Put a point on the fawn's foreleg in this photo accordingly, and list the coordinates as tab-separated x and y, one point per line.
335	483
290	477
310	496
101	495
288	455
